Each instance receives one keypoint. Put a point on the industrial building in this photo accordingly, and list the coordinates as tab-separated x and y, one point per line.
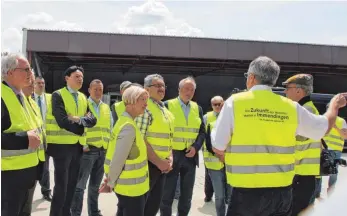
218	65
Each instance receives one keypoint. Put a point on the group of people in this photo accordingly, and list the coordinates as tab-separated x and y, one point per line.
261	151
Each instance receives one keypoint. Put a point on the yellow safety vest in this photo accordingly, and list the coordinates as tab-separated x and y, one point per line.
133	180
159	133
36	116
21	121
308	152
99	135
334	139
261	153
57	135
186	131
119	107
211	161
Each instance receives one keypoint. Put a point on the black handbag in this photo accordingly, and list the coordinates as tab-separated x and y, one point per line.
328	163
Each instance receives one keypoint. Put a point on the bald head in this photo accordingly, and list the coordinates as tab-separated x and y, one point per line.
96	90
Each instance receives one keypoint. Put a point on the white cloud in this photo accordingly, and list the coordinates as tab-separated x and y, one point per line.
153	17
12	37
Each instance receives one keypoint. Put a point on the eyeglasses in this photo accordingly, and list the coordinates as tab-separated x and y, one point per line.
27	70
158	86
246	75
217	104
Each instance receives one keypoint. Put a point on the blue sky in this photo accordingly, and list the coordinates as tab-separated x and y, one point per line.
306	22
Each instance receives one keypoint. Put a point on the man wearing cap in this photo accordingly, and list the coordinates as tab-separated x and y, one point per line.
299	88
65	129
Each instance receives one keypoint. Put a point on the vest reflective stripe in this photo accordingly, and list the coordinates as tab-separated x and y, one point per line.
159	133
260	169
237	148
36	115
308	152
21	121
133	180
211	161
261	153
186	130
99	135
334	139
119	107
57	135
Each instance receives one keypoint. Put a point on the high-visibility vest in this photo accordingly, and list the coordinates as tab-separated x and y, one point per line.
133	180
57	135
36	116
99	135
261	153
307	152
186	131
334	139
211	161
21	121
159	133
119	107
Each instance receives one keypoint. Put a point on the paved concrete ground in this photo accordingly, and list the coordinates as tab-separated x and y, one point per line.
108	202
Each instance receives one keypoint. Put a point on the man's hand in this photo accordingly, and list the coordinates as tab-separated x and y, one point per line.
86	149
34	139
164	165
75	119
221	157
191	152
339	100
88	114
104	187
218	152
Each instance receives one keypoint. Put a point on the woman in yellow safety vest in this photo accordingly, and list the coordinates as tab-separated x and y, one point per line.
126	157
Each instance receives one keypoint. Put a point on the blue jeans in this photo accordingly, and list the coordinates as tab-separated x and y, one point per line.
178	188
333	178
221	189
184	168
92	164
317	191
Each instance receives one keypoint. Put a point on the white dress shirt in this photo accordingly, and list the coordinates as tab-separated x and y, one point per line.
43	104
309	125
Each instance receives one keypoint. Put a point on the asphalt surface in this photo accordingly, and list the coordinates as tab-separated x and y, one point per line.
108	202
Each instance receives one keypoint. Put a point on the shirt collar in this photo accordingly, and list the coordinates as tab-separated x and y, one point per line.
215	113
93	102
16	91
304	100
182	103
160	103
71	90
261	87
36	95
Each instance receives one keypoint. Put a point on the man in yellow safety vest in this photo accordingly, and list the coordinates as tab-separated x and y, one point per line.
307	178
257	131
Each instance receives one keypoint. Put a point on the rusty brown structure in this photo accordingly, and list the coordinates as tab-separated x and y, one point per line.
218	65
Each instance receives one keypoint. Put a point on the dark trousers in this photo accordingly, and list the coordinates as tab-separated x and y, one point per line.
15	189
185	168
66	159
208	187
155	194
260	202
303	190
92	168
45	180
131	206
26	211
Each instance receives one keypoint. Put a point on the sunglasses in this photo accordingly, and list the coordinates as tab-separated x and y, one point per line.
217	104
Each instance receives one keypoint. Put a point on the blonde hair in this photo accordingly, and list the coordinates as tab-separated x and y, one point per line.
131	94
217	98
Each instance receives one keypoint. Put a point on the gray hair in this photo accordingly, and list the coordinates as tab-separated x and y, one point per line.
149	79
9	62
183	81
132	94
265	70
308	89
217	98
